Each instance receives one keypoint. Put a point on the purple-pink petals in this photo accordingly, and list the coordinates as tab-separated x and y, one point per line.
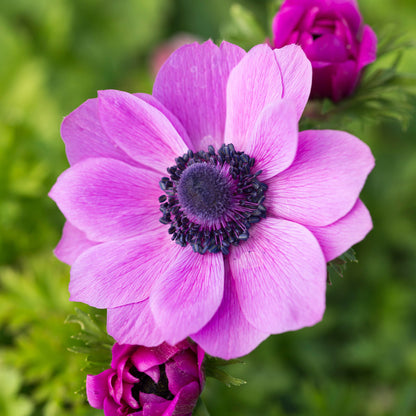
292	205
160	381
334	38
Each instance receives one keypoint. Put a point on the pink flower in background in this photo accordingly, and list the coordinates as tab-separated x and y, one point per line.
201	210
162	52
334	38
159	381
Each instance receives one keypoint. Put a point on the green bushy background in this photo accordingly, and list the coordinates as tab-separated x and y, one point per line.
360	360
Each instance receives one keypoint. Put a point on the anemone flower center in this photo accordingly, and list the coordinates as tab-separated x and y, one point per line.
212	199
204	192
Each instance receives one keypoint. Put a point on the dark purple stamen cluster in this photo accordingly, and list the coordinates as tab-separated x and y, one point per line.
212	199
148	386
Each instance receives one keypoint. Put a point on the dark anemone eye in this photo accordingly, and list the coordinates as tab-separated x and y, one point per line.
211	199
205	192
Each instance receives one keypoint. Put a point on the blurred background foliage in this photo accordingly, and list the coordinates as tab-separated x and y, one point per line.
360	360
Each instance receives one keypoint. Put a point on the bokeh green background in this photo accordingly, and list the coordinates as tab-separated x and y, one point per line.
54	54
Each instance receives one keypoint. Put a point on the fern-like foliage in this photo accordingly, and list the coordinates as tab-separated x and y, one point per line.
35	340
336	268
92	340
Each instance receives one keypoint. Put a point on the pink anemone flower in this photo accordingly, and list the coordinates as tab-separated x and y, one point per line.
201	210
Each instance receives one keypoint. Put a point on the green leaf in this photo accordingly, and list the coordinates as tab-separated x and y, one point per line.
213	368
93	340
337	267
391	39
243	28
219	362
224	377
200	409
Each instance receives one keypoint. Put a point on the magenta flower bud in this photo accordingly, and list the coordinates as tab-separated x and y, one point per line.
333	37
142	381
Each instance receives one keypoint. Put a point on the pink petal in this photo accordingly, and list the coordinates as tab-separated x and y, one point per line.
327	48
153	405
296	74
368	48
186	361
144	358
275	139
280	276
322	85
228	334
110	407
146	398
332	9
127	377
141	130
191	84
127	396
344	79
163	50
108	199
348	9
254	83
308	19
323	183
73	242
84	136
149	99
285	23
121	272
186	297
97	388
201	374
133	324
154	373
185	401
335	239
120	354
178	378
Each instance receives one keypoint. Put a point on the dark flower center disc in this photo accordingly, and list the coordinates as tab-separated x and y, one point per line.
204	192
211	199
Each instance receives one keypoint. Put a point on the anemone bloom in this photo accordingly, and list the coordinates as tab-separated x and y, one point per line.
201	210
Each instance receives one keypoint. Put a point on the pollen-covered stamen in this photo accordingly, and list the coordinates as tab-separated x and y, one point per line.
205	193
212	199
